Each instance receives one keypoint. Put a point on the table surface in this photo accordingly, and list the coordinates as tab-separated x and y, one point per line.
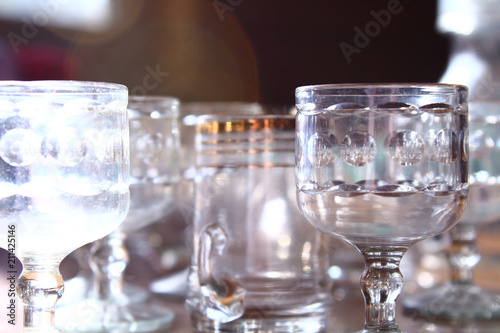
347	312
346	316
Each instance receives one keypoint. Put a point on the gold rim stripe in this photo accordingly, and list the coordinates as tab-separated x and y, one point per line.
245	125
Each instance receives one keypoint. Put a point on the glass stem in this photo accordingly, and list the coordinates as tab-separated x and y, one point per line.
381	284
108	260
39	287
463	253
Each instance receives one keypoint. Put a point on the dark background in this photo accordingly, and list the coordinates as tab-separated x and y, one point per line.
247	50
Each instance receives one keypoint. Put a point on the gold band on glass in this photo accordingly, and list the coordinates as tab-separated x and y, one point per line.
245	125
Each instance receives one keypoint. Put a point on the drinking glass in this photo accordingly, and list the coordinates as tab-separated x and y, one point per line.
461	299
64	150
257	266
382	166
154	172
175	285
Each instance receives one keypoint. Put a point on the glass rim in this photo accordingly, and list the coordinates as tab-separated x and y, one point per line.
60	87
381	89
154	106
154	98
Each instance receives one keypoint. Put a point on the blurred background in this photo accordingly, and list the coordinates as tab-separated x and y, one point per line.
221	50
217	50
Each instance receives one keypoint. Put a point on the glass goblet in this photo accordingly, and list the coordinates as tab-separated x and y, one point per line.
64	173
382	167
154	173
461	299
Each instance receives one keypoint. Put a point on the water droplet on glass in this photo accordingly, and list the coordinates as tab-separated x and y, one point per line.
445	146
358	148
7	190
480	145
321	149
67	147
406	148
20	147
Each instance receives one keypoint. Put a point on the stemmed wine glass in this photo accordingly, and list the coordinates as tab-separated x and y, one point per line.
64	171
461	299
154	172
382	167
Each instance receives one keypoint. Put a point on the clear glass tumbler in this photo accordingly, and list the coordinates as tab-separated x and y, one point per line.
64	180
382	167
174	284
257	265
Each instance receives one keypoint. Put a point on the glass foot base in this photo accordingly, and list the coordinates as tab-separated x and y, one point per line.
77	289
309	324
380	330
99	316
454	303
